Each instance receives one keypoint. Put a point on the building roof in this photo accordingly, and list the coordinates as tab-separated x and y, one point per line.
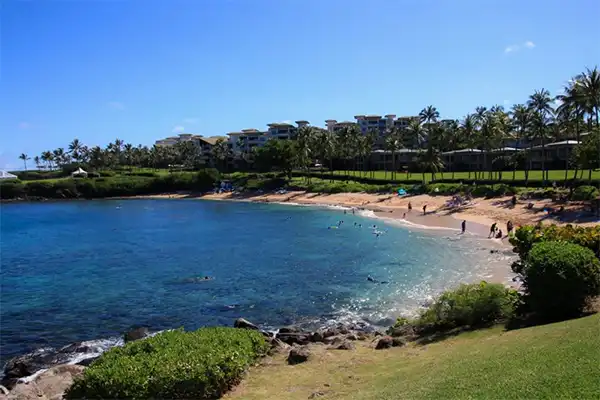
250	130
279	124
505	149
390	115
301	121
562	143
7	175
330	120
212	140
463	151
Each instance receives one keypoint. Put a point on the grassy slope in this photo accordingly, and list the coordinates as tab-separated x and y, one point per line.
547	362
555	175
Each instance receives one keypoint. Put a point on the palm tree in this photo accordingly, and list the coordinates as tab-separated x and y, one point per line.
128	153
24	157
37	161
589	89
468	129
48	157
221	152
573	109
393	144
540	103
304	149
329	146
74	148
521	120
429	114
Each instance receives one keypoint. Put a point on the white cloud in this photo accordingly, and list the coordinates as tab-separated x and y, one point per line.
116	105
191	121
24	125
178	129
516	47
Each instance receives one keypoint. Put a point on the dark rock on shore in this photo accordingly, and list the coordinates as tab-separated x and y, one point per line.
290	329
301	338
50	384
343	345
298	355
136	334
384	342
30	363
244	324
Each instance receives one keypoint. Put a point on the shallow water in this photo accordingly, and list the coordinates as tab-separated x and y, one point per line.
73	271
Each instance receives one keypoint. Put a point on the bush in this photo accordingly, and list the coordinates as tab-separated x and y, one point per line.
526	236
473	305
12	189
559	277
583	193
172	365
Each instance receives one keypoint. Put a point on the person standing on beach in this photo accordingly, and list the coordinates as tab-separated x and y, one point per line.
463	226
425	209
409	206
509	228
492	230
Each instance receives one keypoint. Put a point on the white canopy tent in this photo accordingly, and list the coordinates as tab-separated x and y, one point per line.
79	173
6	175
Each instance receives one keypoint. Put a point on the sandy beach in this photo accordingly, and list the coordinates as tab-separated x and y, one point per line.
479	214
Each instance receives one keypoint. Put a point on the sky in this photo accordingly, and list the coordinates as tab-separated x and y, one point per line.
142	70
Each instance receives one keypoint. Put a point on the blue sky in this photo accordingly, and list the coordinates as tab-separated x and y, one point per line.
141	70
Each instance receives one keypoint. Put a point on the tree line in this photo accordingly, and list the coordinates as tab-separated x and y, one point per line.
543	118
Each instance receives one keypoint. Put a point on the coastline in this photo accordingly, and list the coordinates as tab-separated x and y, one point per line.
479	215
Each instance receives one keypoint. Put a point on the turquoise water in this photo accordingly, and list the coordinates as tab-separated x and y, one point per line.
75	271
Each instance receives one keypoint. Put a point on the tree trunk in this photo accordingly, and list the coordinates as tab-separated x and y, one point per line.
543	161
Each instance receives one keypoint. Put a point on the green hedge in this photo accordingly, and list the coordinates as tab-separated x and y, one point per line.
585	193
469	306
203	364
526	236
109	186
559	278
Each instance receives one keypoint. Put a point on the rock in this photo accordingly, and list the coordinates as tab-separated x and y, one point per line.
317	336
77	347
332	340
384	342
267	335
352	336
291	338
289	329
361	336
49	385
343	330
25	365
377	333
345	345
398	342
331	332
244	324
277	346
314	395
3	390
136	334
404	330
298	355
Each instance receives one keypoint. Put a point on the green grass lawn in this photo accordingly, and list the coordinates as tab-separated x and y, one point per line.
557	361
557	175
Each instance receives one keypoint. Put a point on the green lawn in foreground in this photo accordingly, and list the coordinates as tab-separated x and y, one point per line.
557	175
556	361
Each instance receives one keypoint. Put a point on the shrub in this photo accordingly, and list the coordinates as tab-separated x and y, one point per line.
472	305
12	189
526	236
172	365
585	193
559	277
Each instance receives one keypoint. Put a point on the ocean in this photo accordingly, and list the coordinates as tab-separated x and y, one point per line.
90	270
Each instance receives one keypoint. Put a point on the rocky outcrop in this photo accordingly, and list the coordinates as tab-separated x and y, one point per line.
385	342
30	363
136	334
298	354
343	345
49	385
244	324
